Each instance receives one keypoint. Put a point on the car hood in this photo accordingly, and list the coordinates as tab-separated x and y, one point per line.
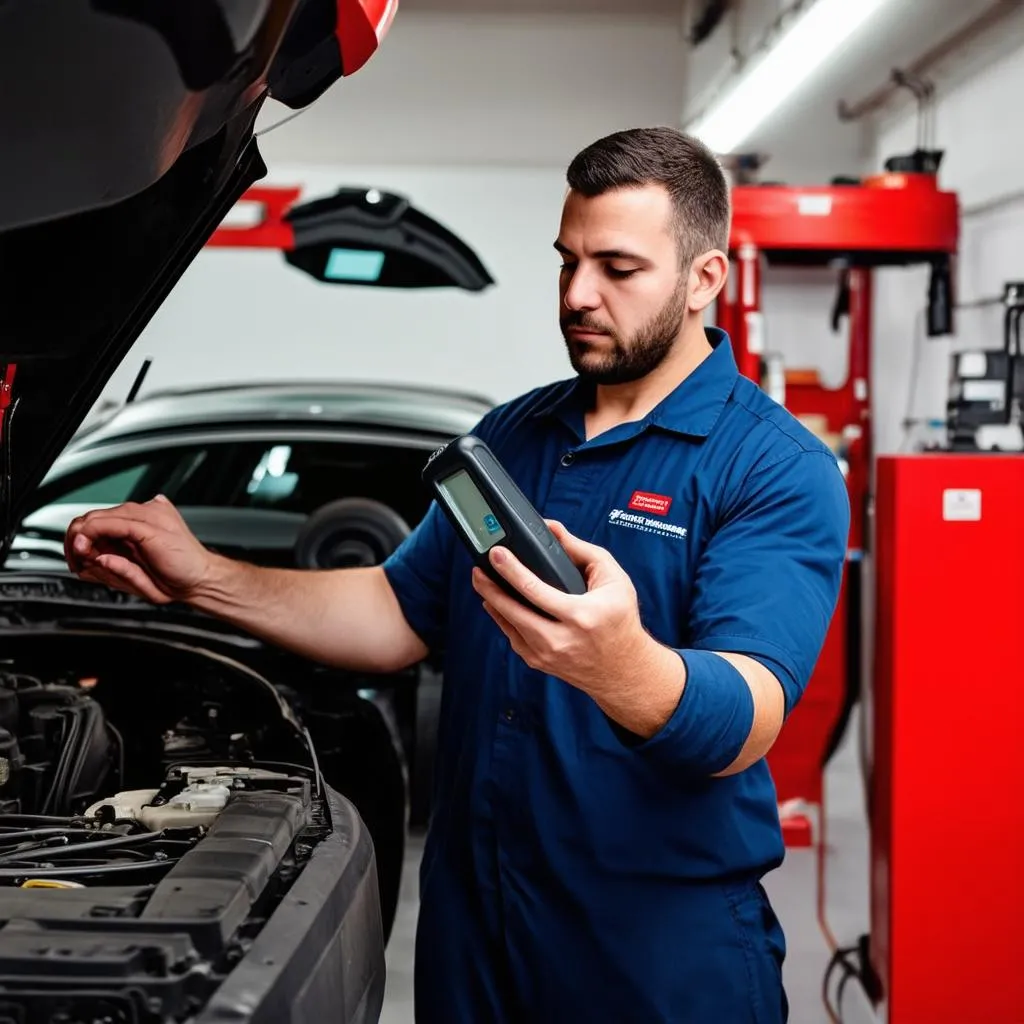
130	140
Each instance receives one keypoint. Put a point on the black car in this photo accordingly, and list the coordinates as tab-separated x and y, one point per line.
311	475
314	475
174	842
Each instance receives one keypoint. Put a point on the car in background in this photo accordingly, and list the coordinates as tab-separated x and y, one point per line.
303	475
314	476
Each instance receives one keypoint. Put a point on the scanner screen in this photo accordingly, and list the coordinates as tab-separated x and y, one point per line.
465	500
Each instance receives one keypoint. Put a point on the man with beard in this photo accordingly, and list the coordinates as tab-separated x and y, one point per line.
603	813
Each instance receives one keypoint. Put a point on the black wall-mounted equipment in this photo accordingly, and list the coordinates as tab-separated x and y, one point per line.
376	238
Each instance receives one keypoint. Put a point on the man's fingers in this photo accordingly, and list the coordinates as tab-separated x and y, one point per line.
535	590
492	594
580	551
525	621
95	525
514	636
123	572
94	574
73	554
515	639
93	537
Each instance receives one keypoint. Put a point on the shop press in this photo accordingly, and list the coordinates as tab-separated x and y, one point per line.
934	675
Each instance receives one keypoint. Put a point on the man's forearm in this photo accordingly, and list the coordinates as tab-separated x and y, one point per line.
651	693
649	697
348	618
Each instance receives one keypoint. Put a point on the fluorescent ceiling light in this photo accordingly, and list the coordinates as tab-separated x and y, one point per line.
813	37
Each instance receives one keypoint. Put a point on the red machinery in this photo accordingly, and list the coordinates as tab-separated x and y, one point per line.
945	775
272	231
891	219
947	817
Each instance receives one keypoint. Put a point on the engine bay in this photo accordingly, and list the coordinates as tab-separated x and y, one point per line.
157	804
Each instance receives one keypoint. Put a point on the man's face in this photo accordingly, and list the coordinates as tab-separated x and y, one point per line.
622	291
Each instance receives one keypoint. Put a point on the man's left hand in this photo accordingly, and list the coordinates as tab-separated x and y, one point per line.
594	641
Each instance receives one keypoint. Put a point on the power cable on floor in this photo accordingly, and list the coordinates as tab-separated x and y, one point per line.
855	963
839	959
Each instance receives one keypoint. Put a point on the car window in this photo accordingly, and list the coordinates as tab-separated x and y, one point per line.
136	477
276	475
111	489
302	476
271	482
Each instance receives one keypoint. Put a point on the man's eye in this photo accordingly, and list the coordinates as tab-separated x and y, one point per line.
620	274
567	266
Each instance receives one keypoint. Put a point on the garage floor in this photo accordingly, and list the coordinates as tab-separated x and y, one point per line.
792	889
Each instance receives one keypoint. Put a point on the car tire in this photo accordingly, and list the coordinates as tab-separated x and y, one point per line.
349	532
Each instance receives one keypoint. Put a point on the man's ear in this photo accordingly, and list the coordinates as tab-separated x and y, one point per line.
708	274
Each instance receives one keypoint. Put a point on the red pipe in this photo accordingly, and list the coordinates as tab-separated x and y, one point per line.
748	340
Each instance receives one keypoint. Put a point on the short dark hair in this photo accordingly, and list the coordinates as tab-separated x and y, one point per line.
687	169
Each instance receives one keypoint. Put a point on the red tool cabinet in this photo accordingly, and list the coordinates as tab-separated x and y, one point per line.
947	779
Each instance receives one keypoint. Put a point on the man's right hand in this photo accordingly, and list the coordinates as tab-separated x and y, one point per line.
349	618
144	549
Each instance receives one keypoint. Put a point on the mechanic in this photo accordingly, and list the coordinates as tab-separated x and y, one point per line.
603	814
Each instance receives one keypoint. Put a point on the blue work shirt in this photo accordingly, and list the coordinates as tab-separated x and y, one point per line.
573	872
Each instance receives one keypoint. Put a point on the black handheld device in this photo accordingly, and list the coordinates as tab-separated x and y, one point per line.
486	508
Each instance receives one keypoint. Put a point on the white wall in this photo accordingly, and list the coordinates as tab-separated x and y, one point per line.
243	314
508	90
977	123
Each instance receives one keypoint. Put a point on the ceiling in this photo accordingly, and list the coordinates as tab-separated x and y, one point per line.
807	127
498	82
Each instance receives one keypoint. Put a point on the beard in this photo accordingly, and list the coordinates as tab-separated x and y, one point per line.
623	360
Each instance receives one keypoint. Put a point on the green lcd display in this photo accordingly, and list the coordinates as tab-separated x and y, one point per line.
468	504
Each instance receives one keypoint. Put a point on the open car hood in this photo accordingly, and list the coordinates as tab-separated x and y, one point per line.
131	138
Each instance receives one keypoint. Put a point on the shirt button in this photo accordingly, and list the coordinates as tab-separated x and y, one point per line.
568	458
509	714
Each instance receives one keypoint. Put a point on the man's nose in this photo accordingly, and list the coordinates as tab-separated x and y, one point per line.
581	290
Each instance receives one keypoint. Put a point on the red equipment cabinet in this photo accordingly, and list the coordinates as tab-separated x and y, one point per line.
888	219
947	781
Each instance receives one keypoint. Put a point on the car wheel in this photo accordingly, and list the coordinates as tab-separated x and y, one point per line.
349	533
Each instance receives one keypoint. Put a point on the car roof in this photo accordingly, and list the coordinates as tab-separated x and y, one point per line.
419	408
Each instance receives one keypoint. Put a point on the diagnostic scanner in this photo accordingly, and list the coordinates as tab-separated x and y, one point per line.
486	508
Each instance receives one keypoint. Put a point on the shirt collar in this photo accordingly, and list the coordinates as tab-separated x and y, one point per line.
692	408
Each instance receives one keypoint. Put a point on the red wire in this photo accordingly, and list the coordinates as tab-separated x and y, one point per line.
6	390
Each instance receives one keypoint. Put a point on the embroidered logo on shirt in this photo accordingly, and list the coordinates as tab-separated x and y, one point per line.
619	517
643	501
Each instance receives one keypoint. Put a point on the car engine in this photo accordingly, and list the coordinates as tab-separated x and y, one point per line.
157	806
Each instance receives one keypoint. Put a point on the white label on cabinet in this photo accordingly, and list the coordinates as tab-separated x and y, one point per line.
961	505
814	205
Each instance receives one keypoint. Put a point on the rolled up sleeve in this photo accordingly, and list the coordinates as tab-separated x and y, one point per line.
419	572
766	586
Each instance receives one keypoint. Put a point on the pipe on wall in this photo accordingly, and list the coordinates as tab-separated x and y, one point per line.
880	97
